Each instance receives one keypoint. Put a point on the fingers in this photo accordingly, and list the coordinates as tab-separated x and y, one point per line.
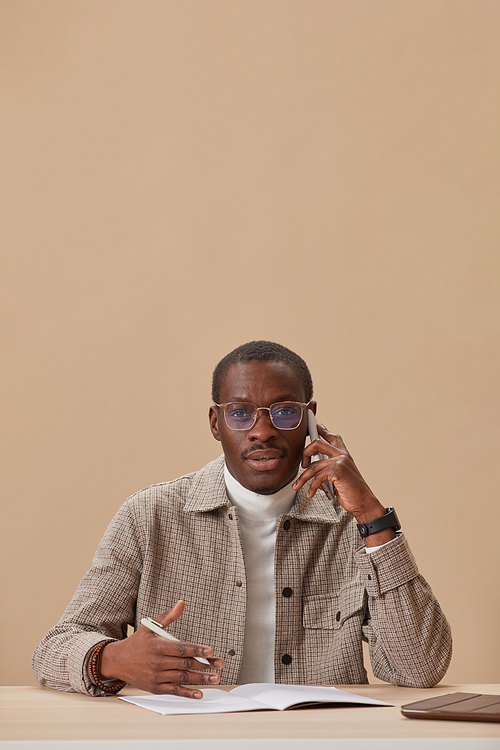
183	692
176	655
319	448
332	447
175	647
167	618
180	655
181	650
175	687
330	437
147	661
185	677
327	440
319	472
175	674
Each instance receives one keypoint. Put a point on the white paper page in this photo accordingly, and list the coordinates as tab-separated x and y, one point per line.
283	696
213	702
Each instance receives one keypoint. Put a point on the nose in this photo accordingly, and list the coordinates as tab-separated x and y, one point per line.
263	429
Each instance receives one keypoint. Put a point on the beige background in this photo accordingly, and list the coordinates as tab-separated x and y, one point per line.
179	177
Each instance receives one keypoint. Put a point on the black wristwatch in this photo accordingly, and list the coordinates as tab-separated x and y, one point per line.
389	521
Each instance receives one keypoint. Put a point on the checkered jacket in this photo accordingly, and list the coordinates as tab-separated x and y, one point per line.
181	540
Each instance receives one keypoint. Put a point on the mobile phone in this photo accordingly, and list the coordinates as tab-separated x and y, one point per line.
312	425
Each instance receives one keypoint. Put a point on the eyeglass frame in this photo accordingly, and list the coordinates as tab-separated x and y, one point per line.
268	408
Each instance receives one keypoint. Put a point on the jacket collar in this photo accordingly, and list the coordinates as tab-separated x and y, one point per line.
208	491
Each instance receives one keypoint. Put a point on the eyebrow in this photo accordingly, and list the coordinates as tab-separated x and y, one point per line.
242	399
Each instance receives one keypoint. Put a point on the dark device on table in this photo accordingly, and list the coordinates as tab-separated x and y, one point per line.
456	707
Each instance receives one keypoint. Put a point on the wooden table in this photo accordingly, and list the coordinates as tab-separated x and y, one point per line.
43	719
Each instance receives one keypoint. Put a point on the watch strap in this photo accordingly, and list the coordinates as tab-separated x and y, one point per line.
389	521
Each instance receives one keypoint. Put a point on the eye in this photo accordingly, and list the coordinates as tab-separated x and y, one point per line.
238	411
285	410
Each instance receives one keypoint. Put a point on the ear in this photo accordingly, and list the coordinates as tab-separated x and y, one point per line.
213	418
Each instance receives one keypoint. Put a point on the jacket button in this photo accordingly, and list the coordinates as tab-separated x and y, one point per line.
231	652
286	525
286	659
369	577
287	592
239	583
337	616
230	516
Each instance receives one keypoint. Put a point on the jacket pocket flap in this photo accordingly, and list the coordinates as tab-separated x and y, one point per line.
330	611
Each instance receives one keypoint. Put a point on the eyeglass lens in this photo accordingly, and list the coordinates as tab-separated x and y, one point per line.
285	415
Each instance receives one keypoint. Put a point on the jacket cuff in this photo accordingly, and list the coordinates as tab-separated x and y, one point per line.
389	567
78	661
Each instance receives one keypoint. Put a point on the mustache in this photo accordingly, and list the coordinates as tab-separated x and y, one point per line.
263	447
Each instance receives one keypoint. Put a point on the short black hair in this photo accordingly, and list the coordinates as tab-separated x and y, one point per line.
262	351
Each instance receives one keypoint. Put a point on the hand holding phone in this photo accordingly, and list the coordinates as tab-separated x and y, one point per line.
338	475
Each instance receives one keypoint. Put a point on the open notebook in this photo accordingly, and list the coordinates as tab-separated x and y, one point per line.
253	697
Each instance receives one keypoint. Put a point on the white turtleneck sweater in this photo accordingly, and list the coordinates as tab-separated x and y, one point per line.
258	520
258	517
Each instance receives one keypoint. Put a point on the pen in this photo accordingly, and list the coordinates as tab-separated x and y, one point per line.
148	622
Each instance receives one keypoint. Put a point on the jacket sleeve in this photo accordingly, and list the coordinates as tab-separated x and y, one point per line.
101	608
408	635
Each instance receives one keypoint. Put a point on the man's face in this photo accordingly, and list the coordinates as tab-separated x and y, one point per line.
263	459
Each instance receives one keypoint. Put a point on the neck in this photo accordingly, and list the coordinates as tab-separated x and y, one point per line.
263	507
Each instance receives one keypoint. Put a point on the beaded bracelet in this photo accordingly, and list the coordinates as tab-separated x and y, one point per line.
95	663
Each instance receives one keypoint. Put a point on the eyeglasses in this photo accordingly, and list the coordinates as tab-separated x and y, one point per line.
285	415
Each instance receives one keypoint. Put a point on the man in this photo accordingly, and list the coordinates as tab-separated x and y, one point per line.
270	574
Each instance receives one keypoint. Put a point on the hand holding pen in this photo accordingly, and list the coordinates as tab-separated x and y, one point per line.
156	662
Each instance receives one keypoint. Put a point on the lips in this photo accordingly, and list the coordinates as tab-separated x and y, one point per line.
264	460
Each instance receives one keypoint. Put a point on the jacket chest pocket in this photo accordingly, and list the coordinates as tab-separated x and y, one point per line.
330	611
